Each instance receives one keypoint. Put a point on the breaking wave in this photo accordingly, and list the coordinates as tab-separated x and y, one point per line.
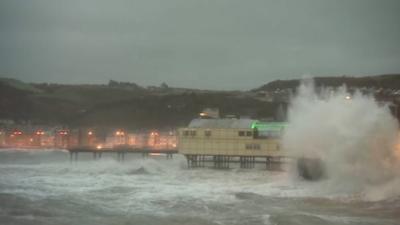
356	136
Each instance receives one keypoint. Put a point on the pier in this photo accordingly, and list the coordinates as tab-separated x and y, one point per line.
224	161
193	160
120	151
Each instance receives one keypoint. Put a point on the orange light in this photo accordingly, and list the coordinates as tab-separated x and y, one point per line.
117	133
155	154
90	133
99	147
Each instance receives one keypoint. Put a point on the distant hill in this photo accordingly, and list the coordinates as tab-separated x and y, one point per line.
19	84
128	105
391	81
120	104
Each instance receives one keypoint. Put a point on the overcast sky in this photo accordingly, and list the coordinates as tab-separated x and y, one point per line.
208	44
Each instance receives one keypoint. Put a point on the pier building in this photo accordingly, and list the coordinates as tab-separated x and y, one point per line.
225	140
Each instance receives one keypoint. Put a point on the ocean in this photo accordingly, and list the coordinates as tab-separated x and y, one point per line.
44	187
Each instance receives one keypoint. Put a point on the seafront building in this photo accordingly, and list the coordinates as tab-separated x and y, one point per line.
225	140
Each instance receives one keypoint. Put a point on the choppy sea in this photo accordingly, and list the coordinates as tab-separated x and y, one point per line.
43	187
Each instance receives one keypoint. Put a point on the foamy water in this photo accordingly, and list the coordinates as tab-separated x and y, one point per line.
43	187
356	136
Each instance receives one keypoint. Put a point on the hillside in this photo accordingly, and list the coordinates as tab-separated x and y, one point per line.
382	81
127	105
123	105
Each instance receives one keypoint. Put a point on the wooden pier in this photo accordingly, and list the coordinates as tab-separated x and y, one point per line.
120	151
224	161
193	160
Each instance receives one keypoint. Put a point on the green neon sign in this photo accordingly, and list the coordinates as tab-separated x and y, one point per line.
269	125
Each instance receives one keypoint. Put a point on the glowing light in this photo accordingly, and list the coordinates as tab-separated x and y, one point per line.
90	133
63	132
99	147
348	97
203	114
155	154
119	133
269	125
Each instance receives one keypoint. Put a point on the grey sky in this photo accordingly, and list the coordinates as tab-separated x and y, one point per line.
212	44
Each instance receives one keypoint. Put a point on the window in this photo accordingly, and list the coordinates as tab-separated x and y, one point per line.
265	134
249	133
185	133
207	133
192	133
253	146
241	133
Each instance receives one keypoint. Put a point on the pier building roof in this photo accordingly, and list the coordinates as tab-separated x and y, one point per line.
222	123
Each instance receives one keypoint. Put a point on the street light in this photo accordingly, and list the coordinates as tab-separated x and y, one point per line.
39	132
17	133
63	132
119	133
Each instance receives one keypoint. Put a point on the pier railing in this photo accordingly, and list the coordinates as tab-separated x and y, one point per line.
121	151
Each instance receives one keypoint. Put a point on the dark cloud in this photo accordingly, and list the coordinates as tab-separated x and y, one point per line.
216	44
